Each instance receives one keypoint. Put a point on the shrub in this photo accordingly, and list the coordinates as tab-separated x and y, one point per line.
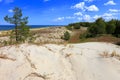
110	28
66	36
101	27
69	27
77	26
117	30
74	25
93	30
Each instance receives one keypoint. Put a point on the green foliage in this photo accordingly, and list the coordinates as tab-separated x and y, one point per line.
23	32
117	30
16	19
97	28
86	35
101	27
69	27
66	36
93	30
110	28
85	24
73	26
76	26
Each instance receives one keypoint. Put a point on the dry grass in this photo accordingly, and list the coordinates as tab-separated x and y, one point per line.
105	54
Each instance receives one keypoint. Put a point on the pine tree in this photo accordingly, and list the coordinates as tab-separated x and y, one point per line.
16	19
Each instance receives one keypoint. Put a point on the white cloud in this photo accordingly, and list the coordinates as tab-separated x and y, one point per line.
60	19
79	18
78	14
69	17
10	10
92	8
108	16
83	7
96	17
110	2
86	18
80	5
114	10
89	0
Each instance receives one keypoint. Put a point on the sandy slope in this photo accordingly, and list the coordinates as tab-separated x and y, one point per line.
59	62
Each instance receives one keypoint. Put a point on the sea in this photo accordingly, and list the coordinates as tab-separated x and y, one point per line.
10	27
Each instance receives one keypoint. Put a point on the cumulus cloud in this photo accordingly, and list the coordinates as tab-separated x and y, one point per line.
83	7
92	8
80	5
111	2
69	17
114	10
79	18
96	17
106	16
78	14
10	10
60	19
86	17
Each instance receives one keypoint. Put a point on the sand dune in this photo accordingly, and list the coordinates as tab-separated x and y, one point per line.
60	62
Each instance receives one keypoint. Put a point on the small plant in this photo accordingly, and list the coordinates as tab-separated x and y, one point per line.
105	54
113	54
66	36
69	27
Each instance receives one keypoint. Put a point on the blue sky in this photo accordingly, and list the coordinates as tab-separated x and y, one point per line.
61	12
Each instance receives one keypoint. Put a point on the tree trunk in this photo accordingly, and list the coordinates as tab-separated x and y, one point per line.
16	33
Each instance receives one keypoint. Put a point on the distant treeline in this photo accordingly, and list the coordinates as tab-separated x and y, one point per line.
100	26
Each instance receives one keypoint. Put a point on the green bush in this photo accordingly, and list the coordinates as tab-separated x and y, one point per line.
101	26
93	30
73	25
110	28
117	30
69	27
97	28
77	26
66	36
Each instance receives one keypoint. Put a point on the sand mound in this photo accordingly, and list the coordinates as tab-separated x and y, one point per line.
59	62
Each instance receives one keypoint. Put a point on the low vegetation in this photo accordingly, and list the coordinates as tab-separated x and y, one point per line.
66	36
113	54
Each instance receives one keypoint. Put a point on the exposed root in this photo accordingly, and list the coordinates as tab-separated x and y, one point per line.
68	55
34	74
30	62
49	49
4	56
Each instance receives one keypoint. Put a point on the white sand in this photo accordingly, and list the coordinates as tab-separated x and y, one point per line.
59	62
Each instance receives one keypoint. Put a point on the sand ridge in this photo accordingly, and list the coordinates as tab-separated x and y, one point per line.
59	62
